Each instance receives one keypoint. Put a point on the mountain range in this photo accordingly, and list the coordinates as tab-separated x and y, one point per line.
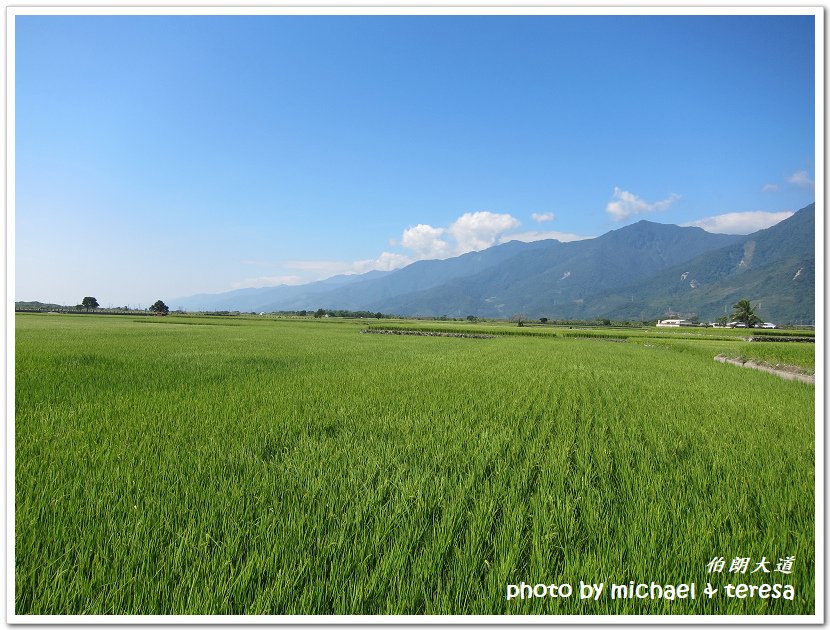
642	271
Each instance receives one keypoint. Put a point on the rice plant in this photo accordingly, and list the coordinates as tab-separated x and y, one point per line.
299	467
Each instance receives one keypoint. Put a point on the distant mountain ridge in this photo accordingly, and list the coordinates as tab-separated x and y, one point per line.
774	267
252	299
642	271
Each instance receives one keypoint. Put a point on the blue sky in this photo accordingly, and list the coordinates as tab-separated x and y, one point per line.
162	156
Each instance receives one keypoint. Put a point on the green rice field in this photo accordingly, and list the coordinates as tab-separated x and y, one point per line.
259	466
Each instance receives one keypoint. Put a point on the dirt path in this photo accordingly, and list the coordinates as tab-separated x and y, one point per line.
788	372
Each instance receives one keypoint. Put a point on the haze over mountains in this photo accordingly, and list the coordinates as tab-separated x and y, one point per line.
641	271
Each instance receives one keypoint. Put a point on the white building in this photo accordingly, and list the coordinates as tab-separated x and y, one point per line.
674	323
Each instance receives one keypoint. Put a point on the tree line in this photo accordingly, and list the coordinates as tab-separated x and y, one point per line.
90	304
742	311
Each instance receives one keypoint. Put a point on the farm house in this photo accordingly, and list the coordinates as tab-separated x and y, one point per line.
674	323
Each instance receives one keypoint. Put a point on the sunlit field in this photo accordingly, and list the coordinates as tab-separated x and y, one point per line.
196	465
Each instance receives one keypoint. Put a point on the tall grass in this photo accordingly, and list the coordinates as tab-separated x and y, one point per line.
280	467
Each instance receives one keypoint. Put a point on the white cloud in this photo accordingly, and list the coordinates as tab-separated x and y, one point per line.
426	241
474	231
387	261
770	188
541	218
801	178
740	222
626	204
529	237
266	281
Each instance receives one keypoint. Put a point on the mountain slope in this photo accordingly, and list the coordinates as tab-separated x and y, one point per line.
355	291
548	279
253	299
641	271
418	276
774	267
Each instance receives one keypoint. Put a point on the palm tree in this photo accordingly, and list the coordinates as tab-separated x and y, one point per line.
743	312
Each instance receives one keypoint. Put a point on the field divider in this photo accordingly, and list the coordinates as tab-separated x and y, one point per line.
423	333
787	372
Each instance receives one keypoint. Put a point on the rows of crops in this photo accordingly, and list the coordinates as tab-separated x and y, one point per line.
724	334
298	467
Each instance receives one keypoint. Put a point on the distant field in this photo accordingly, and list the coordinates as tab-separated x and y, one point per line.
195	465
532	329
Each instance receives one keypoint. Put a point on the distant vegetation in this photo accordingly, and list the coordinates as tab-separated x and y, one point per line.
88	303
37	306
160	308
40	307
744	313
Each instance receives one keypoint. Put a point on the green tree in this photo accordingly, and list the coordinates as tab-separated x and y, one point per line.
543	320
89	303
743	312
160	308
